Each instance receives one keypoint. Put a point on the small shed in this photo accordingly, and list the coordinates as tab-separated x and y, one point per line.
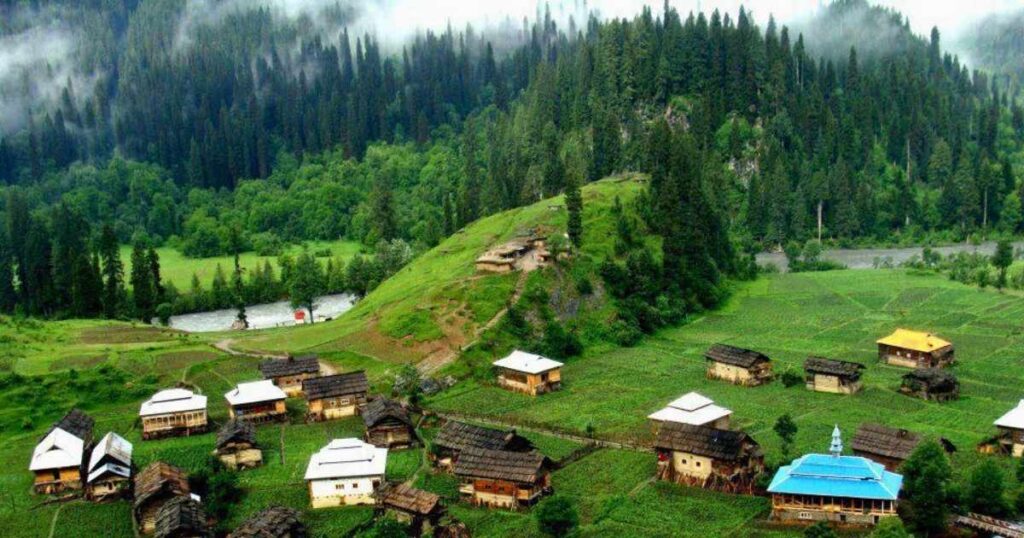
889	446
237	447
388	424
528	373
419	509
694	409
336	396
708	457
288	374
454	437
182	517
915	349
110	468
1011	430
737	365
933	384
155	485
345	472
257	401
58	458
988	526
501	478
830	375
272	522
173	412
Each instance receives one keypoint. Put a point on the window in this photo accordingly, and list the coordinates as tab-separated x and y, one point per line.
339	486
683	461
804	515
698	464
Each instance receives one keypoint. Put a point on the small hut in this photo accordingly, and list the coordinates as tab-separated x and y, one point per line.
110	468
708	457
388	424
889	446
237	447
288	374
454	437
502	479
182	517
419	509
1011	430
257	401
830	375
155	485
980	524
173	412
694	409
528	373
273	522
335	396
737	365
58	458
933	384
345	472
914	349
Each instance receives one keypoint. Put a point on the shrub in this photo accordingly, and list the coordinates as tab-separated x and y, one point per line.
163	313
267	244
790	378
556	516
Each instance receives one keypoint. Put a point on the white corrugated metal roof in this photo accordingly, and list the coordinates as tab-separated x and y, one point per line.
119	470
59	449
1014	418
347	458
116	446
172	401
691	401
691	408
254	392
529	363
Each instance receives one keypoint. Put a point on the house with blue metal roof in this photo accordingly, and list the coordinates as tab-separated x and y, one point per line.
848	490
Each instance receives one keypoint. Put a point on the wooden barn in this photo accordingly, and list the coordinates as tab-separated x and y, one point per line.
59	457
694	409
528	373
388	424
708	457
110	468
737	365
237	447
288	374
272	522
830	375
889	446
336	396
182	517
155	485
913	349
345	472
454	437
933	384
982	525
257	401
173	412
419	509
501	478
1011	431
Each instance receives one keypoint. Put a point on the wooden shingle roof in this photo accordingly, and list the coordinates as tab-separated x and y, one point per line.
273	522
884	441
725	445
932	379
159	476
832	367
383	408
75	422
336	385
306	364
518	467
236	431
181	516
736	356
461	436
409	499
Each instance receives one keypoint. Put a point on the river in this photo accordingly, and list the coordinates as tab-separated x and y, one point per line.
262	316
865	258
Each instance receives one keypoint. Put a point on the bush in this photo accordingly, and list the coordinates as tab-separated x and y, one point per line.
556	516
626	334
267	244
163	313
790	378
584	286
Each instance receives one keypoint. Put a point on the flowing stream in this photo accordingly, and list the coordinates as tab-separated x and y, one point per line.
865	258
262	316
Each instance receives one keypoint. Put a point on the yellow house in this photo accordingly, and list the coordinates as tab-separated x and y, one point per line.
57	459
529	373
257	401
914	349
737	365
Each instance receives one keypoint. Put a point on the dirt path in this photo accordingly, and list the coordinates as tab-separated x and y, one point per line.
226	346
53	523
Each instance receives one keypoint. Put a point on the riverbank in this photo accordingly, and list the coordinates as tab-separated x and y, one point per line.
865	258
262	316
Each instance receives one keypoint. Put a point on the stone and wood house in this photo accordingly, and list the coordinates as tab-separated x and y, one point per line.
336	396
345	472
182	517
388	424
237	447
1011	431
257	401
173	412
59	457
501	478
419	509
708	457
110	468
155	485
889	446
454	437
693	409
288	374
932	384
834	376
272	522
737	365
914	349
528	373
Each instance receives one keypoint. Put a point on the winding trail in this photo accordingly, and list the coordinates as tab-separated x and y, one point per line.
226	345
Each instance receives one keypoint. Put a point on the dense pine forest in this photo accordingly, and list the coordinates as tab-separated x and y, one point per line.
238	129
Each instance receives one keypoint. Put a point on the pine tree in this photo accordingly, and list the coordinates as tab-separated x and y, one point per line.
926	475
8	294
113	272
153	259
141	280
306	283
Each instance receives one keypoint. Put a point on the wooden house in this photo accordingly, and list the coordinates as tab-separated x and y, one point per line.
913	349
110	468
388	424
173	412
288	374
336	396
708	457
528	373
693	409
503	258
845	490
933	384
272	522
182	517
257	401
345	472
454	437
982	525
737	365
501	478
1011	431
155	485
889	446
58	458
829	375
419	509
237	447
